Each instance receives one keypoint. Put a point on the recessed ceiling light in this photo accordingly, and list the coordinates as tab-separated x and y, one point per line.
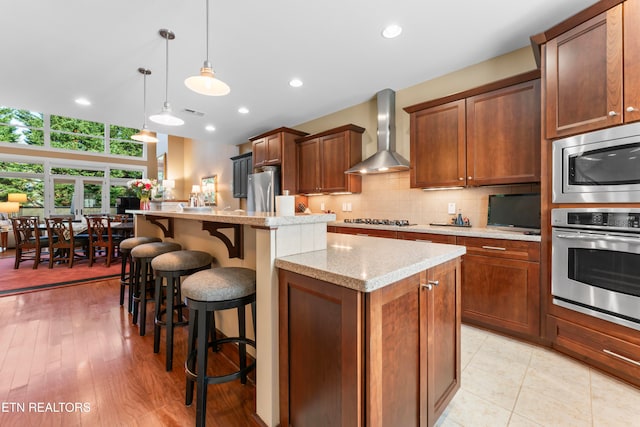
391	31
83	101
210	128
243	110
295	82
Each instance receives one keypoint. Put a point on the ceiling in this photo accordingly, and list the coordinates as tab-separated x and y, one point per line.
55	52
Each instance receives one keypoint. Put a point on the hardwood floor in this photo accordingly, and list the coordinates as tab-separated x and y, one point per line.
71	357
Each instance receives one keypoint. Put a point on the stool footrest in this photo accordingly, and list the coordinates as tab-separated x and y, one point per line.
219	379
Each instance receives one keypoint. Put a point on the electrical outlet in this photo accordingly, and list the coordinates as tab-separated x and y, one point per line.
322	206
451	209
344	207
348	207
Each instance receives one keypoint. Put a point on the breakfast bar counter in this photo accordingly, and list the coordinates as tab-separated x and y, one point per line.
251	240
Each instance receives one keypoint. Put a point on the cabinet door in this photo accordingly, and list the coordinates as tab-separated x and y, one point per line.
439	339
320	353
241	168
308	166
584	76
259	148
501	293
334	157
274	149
503	135
392	349
437	146
631	60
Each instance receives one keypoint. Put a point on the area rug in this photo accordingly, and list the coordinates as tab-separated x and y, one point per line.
26	279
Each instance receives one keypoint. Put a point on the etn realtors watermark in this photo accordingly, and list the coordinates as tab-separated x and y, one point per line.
44	407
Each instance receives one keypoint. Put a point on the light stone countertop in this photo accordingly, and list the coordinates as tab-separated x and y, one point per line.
259	219
368	263
491	233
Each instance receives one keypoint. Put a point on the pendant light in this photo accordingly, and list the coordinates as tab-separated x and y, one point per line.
144	135
165	117
206	83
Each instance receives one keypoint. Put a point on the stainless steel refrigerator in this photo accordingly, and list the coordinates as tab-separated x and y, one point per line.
262	188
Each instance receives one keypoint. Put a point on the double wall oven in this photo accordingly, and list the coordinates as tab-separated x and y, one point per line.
595	261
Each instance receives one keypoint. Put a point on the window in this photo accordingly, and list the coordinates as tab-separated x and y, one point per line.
31	128
21	126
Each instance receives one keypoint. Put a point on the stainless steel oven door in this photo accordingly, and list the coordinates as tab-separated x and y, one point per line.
598	167
597	273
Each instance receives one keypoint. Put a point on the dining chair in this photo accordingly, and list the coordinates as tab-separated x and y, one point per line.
101	238
29	243
63	244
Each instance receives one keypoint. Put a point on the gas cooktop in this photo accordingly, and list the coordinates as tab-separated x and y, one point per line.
398	222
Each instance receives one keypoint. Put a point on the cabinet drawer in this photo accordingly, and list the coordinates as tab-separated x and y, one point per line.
512	249
366	232
615	355
427	237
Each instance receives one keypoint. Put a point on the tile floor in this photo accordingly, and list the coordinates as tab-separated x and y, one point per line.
506	382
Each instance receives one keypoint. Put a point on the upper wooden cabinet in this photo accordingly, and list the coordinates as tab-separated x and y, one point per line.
503	135
322	159
437	146
277	148
592	73
486	136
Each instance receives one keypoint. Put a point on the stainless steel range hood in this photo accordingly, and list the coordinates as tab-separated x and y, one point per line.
386	159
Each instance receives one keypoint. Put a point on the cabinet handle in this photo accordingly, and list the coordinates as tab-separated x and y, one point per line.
461	179
619	356
426	286
631	109
612	113
434	282
469	177
494	248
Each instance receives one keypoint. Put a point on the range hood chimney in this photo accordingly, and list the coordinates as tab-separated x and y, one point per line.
386	159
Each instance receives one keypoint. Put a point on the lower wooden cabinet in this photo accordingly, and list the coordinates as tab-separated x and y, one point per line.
618	356
363	232
390	357
501	285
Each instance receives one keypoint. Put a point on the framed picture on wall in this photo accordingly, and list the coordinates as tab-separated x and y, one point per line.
209	186
162	167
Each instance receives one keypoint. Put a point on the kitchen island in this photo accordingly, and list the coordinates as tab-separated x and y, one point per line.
369	332
404	305
251	240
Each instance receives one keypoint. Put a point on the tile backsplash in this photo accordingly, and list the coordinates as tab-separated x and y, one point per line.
389	196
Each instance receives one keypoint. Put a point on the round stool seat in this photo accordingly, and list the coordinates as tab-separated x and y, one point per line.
125	250
220	284
151	250
132	242
181	260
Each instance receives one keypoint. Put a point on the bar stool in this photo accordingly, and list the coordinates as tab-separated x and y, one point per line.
204	293
142	256
127	279
172	266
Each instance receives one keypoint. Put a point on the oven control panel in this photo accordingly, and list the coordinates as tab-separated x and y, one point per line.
610	218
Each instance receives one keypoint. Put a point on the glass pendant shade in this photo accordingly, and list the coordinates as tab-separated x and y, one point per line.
206	83
144	135
166	118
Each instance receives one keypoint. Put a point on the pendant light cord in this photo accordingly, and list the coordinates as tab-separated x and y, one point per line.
144	100
207	40
166	82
